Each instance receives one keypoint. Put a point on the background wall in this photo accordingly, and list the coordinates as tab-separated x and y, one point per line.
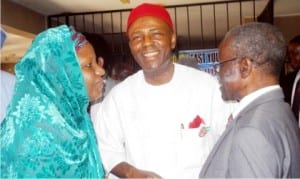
21	18
21	24
26	22
289	25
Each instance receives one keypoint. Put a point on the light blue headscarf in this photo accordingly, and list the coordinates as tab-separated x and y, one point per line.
47	131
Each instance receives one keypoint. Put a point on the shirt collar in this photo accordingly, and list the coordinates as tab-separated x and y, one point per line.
251	97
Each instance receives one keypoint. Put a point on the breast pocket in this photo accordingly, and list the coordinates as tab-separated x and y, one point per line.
193	149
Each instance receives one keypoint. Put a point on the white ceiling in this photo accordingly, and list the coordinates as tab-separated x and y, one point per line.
13	49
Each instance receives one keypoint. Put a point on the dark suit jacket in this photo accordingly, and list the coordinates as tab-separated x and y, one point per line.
262	141
286	83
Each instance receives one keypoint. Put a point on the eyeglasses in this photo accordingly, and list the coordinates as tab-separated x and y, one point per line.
218	64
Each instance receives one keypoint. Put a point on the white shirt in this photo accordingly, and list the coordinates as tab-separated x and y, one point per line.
148	126
251	97
7	87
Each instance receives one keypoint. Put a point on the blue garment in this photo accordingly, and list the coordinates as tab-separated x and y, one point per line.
47	131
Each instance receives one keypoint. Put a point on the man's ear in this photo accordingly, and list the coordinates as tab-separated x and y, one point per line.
100	61
246	67
173	40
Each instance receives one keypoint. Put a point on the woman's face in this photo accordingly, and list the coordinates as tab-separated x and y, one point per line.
92	72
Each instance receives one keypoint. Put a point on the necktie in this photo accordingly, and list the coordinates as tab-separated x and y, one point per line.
296	101
229	120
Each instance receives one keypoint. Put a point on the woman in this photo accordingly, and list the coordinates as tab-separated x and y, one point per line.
47	131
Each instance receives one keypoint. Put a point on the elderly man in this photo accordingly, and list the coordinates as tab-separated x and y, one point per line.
262	139
148	125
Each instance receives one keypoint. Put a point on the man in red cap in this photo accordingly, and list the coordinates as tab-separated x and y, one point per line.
149	124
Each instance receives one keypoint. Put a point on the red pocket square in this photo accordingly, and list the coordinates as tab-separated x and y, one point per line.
196	122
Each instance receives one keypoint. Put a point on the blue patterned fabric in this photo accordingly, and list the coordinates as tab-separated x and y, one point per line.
47	131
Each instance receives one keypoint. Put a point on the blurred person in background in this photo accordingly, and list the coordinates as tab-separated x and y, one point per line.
287	79
119	72
290	82
7	83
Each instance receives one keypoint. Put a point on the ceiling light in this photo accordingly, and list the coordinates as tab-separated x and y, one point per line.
125	1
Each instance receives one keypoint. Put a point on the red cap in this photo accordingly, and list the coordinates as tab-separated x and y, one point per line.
147	9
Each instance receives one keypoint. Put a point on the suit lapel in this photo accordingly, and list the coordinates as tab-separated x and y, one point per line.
214	155
216	148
